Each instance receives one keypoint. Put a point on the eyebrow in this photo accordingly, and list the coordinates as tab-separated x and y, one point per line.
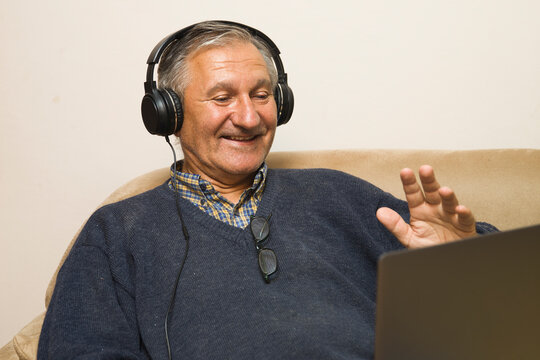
228	86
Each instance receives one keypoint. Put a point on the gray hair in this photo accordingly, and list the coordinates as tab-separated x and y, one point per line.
173	72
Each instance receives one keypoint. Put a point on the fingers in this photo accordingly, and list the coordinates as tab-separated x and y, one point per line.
395	224
429	184
449	200
429	192
416	195
413	192
465	219
450	206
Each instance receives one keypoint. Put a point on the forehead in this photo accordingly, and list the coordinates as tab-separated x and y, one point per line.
235	59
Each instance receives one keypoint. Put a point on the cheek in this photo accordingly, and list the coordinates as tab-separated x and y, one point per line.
202	121
269	115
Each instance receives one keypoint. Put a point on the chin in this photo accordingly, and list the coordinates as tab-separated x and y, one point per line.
244	166
244	170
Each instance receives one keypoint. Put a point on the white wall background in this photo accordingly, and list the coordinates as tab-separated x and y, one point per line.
366	74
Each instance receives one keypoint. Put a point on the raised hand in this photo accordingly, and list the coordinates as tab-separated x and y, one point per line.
436	216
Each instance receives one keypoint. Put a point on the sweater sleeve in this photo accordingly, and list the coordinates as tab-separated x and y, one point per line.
485	228
91	316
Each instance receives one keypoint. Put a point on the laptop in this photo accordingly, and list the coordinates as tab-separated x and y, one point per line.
477	298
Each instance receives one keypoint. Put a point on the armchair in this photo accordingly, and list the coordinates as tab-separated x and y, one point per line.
500	186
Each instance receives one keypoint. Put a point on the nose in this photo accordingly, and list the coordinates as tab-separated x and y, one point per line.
246	115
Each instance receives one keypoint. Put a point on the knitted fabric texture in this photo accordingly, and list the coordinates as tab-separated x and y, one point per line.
113	292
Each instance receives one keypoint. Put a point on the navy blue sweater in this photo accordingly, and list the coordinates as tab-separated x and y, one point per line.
113	292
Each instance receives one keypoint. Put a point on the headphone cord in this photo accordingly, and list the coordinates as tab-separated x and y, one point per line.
186	236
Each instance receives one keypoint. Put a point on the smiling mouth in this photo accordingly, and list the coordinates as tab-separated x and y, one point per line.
240	138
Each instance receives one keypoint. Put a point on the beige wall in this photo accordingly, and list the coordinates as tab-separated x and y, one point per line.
366	74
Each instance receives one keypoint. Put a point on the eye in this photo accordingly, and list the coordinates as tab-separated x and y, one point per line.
222	99
262	95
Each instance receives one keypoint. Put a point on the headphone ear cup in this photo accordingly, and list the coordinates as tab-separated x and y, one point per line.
177	110
162	112
285	103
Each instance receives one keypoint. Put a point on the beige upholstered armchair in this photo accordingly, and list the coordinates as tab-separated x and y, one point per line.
500	186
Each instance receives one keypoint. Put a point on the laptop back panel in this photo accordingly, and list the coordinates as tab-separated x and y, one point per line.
473	299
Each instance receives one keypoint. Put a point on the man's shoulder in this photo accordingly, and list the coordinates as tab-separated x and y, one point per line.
318	175
111	224
137	205
297	172
322	182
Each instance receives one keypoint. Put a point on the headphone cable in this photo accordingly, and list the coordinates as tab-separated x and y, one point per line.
186	236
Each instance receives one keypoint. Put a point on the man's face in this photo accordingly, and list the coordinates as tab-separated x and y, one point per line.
230	114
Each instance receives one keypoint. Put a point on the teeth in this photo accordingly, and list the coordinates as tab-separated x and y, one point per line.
240	138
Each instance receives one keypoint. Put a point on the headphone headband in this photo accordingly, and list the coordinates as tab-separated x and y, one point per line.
162	109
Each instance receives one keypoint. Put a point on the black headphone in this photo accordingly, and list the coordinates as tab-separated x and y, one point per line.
162	109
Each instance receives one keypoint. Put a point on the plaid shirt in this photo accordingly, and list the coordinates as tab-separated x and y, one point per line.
202	194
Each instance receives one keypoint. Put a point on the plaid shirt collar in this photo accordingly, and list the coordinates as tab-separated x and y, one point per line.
202	194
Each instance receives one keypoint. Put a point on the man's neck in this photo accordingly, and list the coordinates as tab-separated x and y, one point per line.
233	188
230	186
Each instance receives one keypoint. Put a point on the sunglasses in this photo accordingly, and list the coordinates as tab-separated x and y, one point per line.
260	229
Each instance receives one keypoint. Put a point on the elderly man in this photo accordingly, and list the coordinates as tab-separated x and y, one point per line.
280	263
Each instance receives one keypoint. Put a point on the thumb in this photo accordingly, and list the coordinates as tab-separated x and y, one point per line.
394	223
